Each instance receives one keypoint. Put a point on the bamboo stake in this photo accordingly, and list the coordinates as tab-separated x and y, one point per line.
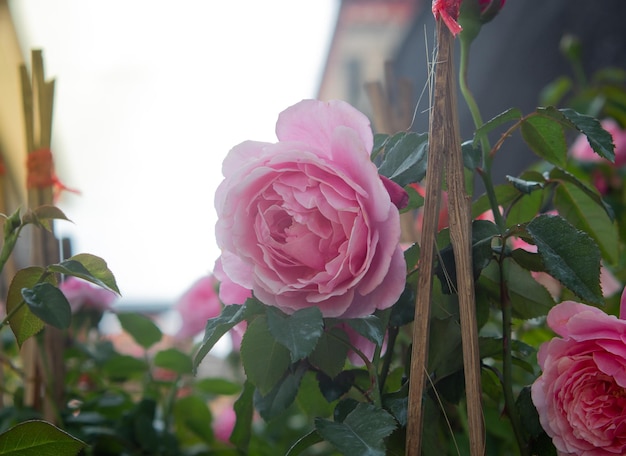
459	207
445	151
44	375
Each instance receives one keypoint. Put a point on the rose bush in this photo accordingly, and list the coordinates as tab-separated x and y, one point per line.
581	395
307	221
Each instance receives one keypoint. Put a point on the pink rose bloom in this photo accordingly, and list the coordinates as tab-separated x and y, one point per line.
224	423
582	151
83	295
307	221
196	306
230	292
581	395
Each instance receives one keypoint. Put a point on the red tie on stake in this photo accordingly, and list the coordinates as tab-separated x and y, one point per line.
445	153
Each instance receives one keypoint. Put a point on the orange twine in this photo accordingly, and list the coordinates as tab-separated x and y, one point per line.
41	173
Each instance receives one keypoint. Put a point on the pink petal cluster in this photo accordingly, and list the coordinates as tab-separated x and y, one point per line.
581	394
82	295
307	221
199	303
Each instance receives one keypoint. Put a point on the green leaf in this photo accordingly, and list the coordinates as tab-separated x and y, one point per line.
43	215
87	267
371	327
24	323
281	396
599	139
304	442
244	409
333	388
569	255
298	332
330	352
528	413
505	194
38	438
217	386
415	200
545	136
553	93
361	433
143	330
444	347
122	367
264	359
192	415
217	327
310	399
405	157
48	303
560	175
502	118
529	299
525	208
174	360
472	155
524	186
584	213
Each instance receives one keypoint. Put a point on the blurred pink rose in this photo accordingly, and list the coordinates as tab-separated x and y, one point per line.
307	221
224	423
581	394
196	306
581	150
83	295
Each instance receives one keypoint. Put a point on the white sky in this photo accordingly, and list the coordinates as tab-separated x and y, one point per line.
150	96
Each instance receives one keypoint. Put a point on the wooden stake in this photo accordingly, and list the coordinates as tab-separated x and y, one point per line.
445	151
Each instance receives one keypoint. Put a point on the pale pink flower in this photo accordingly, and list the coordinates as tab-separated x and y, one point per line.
82	295
199	303
230	292
307	221
223	423
581	394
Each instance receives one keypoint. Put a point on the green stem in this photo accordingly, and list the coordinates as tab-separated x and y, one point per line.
507	364
484	141
391	342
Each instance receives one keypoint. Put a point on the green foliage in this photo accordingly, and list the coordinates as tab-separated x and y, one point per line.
38	438
143	330
298	332
360	433
403	158
576	268
24	323
264	359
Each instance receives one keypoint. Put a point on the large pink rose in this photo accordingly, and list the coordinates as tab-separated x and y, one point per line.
307	221
581	395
